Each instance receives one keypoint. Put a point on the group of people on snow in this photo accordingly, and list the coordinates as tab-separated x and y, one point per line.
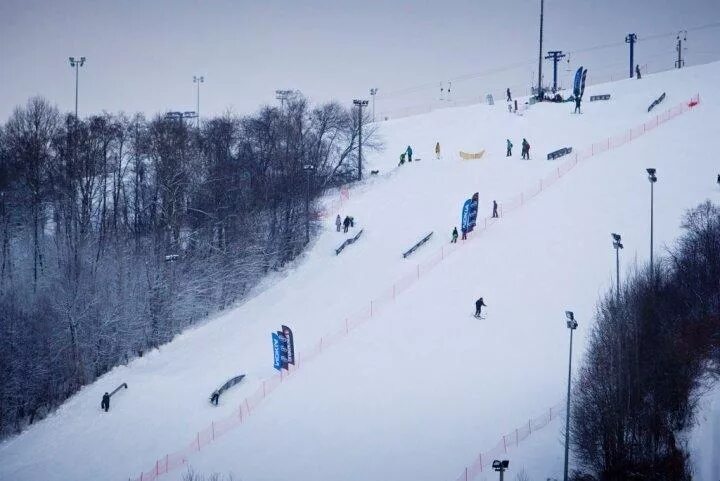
525	149
408	153
348	222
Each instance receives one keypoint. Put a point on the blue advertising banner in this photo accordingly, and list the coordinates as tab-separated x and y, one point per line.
576	83
465	219
277	358
472	213
582	83
287	332
283	350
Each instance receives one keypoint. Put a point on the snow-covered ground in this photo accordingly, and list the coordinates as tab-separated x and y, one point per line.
421	388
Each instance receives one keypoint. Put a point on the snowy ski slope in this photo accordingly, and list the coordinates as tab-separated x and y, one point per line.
418	390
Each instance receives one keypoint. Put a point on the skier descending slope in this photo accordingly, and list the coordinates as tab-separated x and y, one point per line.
479	304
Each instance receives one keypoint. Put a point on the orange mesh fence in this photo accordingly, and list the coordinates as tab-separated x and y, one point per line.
253	401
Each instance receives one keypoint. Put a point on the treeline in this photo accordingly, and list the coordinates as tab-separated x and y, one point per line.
117	232
650	357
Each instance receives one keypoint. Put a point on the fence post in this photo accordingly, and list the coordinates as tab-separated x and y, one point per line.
212	424
530	426
157	467
264	387
517	438
247	405
141	476
558	172
504	444
167	463
240	413
466	478
480	458
198	440
442	252
418	271
540	185
346	326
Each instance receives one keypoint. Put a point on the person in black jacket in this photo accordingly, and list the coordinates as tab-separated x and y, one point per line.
509	97
454	236
577	105
495	214
637	71
479	304
346	224
105	404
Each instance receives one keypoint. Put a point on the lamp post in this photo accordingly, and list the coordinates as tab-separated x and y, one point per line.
500	466
198	80
373	91
360	104
76	64
652	178
617	245
540	55
572	325
308	170
282	96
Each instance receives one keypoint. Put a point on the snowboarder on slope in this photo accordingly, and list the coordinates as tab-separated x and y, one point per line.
509	97
402	158
105	404
437	150
525	150
637	71
352	221
454	236
509	148
495	214
577	104
718	180
408	151
346	224
338	222
479	304
215	398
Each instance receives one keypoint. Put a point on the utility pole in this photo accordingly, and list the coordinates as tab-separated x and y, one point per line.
373	91
76	64
631	38
555	56
617	245
681	36
282	96
652	178
360	104
540	54
198	81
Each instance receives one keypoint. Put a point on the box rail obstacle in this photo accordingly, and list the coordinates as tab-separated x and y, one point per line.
348	242
559	153
417	245
215	396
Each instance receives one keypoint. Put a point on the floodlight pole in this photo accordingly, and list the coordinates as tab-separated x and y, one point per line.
360	104
76	64
631	38
617	245
308	170
540	55
198	80
373	92
572	325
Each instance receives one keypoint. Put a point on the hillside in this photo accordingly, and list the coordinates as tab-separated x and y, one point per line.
420	387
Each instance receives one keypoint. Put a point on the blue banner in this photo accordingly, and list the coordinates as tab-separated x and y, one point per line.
465	219
582	83
472	213
576	83
290	342
277	358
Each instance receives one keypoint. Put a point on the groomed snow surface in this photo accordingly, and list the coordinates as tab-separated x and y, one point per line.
417	391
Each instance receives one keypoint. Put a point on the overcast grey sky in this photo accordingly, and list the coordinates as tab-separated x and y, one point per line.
142	55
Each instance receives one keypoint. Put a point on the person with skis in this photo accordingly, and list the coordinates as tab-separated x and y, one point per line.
509	97
437	150
479	304
408	151
525	150
718	180
346	224
105	404
577	105
464	234
454	236
402	159
495	214
509	148
637	71
338	222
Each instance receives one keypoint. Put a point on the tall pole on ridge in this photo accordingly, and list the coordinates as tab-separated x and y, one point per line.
631	38
540	54
360	104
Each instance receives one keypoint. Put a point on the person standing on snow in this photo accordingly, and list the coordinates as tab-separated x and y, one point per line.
402	159
464	233
454	236
718	181
495	214
408	151
577	105
346	223
105	404
479	304
437	150
338	222
525	150
637	71
509	148
509	97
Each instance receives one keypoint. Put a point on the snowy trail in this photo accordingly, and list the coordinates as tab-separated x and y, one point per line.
370	396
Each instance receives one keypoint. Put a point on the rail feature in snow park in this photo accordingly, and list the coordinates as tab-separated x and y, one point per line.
595	98
348	242
265	387
559	153
215	396
656	102
418	244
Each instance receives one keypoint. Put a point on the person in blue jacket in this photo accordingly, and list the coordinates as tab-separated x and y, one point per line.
409	153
